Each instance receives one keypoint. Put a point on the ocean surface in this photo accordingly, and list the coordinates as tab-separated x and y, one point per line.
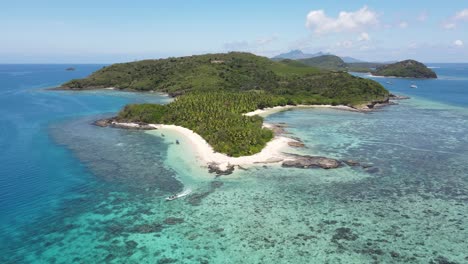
71	192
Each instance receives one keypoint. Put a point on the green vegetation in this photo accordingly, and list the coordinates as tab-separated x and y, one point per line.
214	91
232	71
363	66
217	117
407	68
330	62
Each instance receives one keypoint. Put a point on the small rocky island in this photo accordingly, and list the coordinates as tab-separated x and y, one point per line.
406	69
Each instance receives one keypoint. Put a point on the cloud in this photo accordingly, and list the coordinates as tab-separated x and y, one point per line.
423	16
266	40
403	24
413	45
458	43
449	25
345	44
250	45
462	15
459	16
320	23
364	37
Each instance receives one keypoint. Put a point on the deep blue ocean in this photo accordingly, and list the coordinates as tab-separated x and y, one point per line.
71	192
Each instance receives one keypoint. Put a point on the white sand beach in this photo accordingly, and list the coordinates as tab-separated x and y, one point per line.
272	153
205	154
271	110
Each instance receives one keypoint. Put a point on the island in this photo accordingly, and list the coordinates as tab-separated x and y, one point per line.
330	62
405	69
218	99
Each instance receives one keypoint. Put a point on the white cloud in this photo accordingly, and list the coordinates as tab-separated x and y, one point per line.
462	15
459	16
320	23
403	24
345	44
364	37
413	45
266	40
449	25
423	16
243	45
458	43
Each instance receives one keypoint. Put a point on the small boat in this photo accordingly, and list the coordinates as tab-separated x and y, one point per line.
389	83
179	195
413	86
177	142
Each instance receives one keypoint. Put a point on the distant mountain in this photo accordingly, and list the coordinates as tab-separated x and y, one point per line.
329	62
350	59
407	69
297	55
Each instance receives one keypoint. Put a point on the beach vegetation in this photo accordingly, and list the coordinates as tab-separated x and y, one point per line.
213	92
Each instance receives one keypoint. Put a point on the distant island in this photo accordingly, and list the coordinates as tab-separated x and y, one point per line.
215	91
297	55
329	62
70	69
405	69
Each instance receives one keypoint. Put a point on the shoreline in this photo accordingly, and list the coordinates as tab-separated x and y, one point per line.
271	110
205	154
272	153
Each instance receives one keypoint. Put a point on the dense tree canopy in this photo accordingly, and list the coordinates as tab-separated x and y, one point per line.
214	90
407	68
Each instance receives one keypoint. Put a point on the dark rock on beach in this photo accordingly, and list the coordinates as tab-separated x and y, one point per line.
311	162
103	122
214	168
296	144
112	122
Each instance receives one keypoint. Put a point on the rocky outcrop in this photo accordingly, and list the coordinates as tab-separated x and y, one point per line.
112	122
103	122
351	163
215	168
398	97
311	162
296	144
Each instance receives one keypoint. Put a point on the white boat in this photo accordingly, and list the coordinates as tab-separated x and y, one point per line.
413	86
179	195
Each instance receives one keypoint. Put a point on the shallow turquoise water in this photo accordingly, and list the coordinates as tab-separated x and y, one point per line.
75	193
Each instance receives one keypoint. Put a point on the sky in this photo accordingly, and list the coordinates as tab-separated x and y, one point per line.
107	31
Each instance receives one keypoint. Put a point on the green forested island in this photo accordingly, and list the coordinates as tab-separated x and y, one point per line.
212	91
406	69
330	62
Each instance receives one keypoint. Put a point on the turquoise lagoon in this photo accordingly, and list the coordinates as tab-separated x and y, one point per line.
71	192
